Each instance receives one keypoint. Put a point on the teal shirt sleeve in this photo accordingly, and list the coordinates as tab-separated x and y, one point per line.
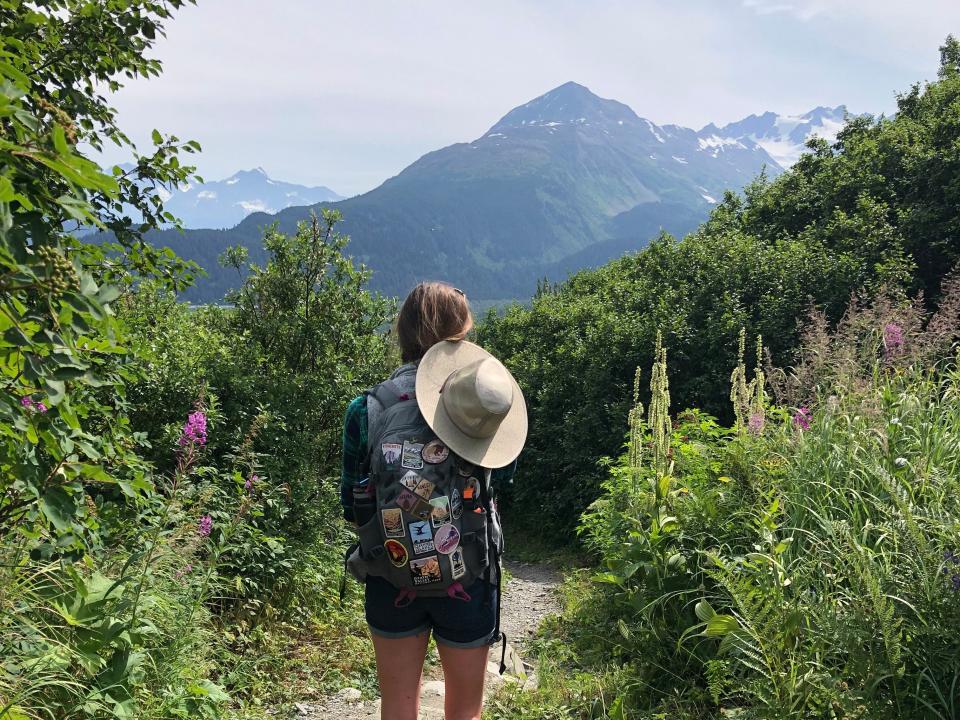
354	452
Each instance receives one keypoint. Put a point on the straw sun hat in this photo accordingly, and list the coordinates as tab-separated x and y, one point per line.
473	404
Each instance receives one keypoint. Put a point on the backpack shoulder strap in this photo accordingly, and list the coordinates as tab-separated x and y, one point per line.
387	395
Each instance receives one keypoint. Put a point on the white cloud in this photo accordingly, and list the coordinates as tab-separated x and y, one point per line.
924	18
804	11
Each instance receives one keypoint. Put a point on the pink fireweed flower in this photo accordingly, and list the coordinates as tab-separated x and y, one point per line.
185	570
756	423
893	340
801	418
195	430
205	526
30	404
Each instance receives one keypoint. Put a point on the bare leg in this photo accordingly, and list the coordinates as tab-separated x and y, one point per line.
400	669
463	675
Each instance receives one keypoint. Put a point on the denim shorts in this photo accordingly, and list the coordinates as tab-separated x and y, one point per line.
457	623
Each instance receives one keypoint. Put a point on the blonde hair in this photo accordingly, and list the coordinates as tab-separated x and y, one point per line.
433	311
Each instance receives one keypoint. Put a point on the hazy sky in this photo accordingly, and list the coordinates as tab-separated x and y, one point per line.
346	93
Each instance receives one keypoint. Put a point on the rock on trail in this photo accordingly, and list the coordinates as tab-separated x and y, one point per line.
528	596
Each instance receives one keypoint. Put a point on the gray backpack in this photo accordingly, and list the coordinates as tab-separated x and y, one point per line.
433	529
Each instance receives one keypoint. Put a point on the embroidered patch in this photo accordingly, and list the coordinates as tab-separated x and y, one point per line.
422	510
411	455
397	552
456	504
407	500
410	480
435	452
424	489
422	537
392	522
464	469
446	539
425	570
391	452
441	510
458	568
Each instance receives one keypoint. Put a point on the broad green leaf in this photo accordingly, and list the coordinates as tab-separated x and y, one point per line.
56	390
58	507
720	625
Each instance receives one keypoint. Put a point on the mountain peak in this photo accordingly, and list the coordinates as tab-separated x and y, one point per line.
820	112
570	103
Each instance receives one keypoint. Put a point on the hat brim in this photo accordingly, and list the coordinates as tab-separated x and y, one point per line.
497	451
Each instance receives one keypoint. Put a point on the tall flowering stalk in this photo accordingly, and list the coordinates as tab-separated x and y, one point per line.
749	398
758	402
192	437
635	424
739	388
659	417
222	541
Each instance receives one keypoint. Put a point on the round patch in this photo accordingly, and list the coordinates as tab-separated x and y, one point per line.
465	470
397	552
446	539
434	452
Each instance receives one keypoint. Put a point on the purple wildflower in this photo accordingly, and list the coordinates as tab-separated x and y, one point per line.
248	485
30	404
802	417
951	556
185	570
195	430
955	582
756	423
205	526
892	340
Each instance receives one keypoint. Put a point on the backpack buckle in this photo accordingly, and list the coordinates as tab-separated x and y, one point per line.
456	592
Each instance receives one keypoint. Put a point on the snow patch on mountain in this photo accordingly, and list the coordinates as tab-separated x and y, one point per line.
783	137
719	143
252	206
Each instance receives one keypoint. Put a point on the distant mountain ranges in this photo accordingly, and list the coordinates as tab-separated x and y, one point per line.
568	180
224	203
